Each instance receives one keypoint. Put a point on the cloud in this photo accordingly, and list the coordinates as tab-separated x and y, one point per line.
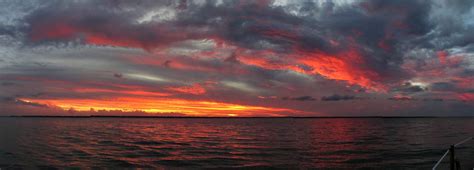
234	51
242	86
118	75
301	98
82	20
337	97
7	84
354	43
409	88
466	97
15	101
401	98
195	89
442	86
433	99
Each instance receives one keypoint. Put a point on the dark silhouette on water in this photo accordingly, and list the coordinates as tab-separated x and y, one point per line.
454	163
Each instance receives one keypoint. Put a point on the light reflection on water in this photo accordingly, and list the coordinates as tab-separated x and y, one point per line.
225	143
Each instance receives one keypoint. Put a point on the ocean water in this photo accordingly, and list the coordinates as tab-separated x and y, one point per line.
345	143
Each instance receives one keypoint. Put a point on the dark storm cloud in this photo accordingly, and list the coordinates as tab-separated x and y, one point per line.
301	98
433	100
7	30
450	87
460	5
467	73
381	29
453	26
337	97
118	75
245	24
8	84
442	86
104	23
413	89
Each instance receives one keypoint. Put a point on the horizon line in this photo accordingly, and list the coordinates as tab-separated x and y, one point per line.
296	117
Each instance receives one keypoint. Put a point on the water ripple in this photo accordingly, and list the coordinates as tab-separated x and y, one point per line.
230	143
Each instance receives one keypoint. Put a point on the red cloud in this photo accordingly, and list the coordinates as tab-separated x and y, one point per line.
467	97
347	65
52	31
442	56
195	89
110	32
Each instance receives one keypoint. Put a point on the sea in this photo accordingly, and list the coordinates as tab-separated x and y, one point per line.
227	143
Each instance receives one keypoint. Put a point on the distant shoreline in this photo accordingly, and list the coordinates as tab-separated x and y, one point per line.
220	117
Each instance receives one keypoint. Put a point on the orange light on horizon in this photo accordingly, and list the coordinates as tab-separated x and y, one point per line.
163	105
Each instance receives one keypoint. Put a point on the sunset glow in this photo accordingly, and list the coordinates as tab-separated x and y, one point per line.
157	106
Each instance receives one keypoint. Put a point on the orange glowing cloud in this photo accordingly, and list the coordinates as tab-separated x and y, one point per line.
195	89
344	66
348	65
263	62
168	105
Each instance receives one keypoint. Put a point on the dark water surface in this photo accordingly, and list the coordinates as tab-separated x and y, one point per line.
347	143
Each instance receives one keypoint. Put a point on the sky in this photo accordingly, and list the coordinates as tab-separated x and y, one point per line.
237	58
